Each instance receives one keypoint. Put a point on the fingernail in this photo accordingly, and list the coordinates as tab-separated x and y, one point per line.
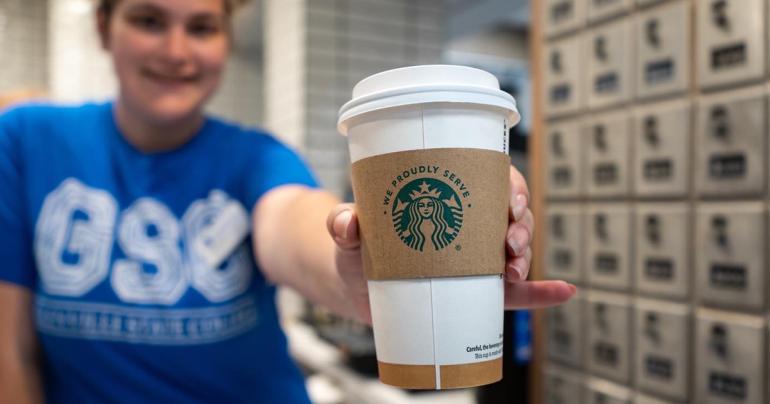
517	242
519	206
514	245
572	287
517	275
341	223
520	272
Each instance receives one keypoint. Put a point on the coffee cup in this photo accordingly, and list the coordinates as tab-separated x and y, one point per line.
430	171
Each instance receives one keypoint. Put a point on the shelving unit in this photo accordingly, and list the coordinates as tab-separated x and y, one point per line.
650	155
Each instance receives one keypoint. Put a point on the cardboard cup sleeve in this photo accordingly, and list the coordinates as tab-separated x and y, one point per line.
432	213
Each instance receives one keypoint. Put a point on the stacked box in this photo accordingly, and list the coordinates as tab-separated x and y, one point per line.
656	185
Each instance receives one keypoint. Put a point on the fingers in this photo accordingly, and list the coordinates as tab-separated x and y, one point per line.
520	235
521	231
528	221
342	225
517	269
518	183
365	315
519	194
537	294
349	267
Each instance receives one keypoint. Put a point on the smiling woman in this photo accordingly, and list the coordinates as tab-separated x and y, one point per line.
169	60
141	241
140	230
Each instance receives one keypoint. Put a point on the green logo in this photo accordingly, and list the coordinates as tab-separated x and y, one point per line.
427	209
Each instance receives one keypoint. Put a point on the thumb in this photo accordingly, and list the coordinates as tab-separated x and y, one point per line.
342	224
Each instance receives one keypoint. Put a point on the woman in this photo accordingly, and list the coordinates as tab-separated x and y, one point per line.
140	239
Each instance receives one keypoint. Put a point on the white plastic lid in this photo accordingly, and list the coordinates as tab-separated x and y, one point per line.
426	84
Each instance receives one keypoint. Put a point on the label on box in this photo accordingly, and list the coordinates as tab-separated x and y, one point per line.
606	353
659	367
728	385
433	213
659	71
659	269
728	166
560	94
561	176
728	276
728	56
658	169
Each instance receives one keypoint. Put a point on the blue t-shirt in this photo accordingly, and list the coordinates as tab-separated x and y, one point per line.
107	239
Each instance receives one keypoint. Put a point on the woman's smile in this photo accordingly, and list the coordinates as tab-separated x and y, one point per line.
170	79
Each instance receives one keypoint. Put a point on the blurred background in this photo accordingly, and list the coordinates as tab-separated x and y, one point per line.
644	139
294	64
653	142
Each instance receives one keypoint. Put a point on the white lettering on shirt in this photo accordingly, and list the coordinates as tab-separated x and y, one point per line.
75	234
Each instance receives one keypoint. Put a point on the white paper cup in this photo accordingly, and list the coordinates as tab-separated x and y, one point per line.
441	332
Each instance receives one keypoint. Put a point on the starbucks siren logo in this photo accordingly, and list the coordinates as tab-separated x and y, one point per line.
427	209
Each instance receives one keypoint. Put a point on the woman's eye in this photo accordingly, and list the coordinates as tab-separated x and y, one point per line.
148	22
203	29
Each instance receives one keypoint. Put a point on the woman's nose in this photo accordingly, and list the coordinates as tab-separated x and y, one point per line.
176	45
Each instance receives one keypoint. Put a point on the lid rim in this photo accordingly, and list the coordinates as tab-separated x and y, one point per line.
417	69
505	100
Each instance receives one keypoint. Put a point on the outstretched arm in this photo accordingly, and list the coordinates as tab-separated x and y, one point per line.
293	248
307	240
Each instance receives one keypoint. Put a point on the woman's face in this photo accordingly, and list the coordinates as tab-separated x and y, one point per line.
168	54
425	206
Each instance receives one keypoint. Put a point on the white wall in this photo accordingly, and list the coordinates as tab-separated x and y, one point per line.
23	45
79	69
